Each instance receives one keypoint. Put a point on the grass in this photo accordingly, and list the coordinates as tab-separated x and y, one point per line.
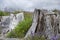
22	28
4	13
34	38
16	12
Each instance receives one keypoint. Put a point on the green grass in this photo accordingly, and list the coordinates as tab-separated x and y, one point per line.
4	13
22	28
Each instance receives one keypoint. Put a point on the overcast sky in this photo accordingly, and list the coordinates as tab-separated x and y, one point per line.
30	4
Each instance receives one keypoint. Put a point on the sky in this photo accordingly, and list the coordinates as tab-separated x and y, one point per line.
30	5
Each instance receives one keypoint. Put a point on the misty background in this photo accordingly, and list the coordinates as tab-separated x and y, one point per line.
29	5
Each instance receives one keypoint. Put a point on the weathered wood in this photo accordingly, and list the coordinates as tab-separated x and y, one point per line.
32	29
47	23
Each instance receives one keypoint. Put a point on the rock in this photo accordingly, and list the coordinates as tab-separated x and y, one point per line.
8	23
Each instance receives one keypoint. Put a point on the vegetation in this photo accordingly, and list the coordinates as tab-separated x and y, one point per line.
35	38
22	28
15	12
56	10
4	13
